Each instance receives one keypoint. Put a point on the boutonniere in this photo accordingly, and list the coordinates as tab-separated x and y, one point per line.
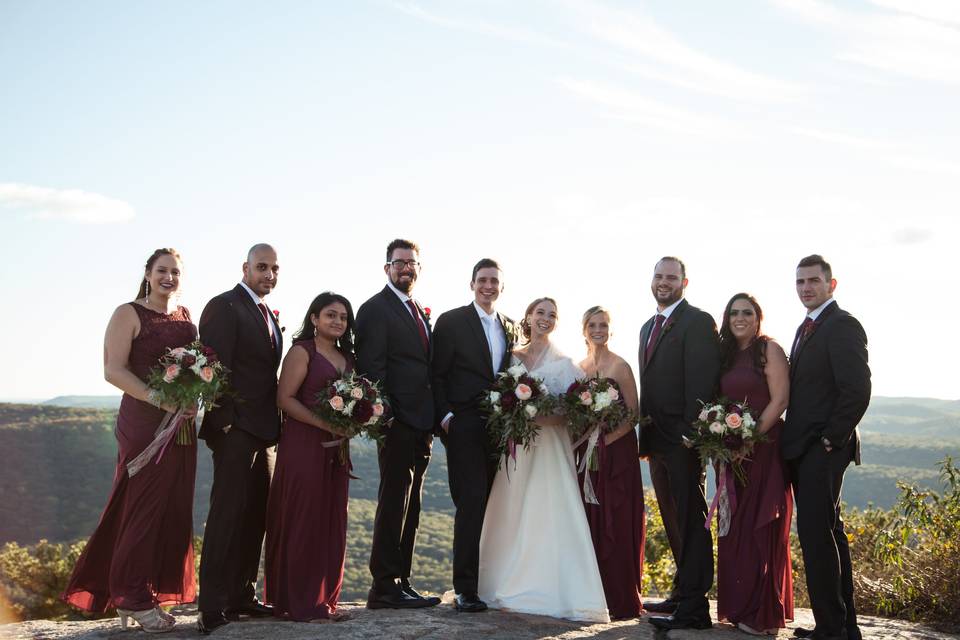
426	313
276	317
668	326
512	331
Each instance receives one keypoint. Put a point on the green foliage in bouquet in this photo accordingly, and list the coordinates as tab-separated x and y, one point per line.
187	376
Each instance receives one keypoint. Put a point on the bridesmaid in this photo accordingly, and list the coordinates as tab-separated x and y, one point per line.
140	556
618	523
754	580
307	510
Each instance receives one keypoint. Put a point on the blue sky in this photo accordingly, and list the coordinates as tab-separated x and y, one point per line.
575	141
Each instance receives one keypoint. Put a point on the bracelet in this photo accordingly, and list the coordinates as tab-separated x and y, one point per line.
153	397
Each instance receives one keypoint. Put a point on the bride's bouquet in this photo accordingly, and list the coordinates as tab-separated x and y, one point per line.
353	405
516	399
725	433
186	378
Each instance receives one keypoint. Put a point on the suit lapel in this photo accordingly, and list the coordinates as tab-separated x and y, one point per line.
254	311
801	346
507	340
667	324
401	310
473	319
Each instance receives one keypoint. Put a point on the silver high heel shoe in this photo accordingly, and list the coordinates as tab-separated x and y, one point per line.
150	620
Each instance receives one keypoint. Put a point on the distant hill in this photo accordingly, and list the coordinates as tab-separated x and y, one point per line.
87	402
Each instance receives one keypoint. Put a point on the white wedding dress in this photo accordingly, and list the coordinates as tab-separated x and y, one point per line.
536	553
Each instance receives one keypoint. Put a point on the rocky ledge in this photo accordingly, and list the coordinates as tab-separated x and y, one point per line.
441	622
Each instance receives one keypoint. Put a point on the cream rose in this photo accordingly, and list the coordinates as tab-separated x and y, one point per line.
337	403
716	427
356	393
733	420
378	410
530	410
586	398
523	392
206	374
494	397
613	393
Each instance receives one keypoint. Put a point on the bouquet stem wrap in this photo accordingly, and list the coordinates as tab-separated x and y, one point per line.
593	441
169	427
724	501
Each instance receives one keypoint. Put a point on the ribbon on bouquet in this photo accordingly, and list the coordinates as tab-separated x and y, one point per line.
344	445
724	501
166	432
592	438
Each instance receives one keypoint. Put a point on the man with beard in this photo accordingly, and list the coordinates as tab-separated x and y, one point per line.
393	348
679	367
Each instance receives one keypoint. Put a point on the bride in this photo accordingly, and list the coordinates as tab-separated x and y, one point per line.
536	554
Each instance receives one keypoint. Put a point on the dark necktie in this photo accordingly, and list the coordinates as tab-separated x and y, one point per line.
804	332
657	326
266	318
420	328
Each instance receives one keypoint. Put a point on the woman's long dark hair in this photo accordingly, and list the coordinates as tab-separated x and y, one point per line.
728	344
142	293
321	302
524	325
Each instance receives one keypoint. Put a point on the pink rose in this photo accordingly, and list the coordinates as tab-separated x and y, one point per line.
586	398
378	410
356	393
179	351
523	392
733	421
171	373
613	393
337	403
206	374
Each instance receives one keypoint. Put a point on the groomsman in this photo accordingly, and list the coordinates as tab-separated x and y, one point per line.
829	393
471	345
393	348
239	327
679	367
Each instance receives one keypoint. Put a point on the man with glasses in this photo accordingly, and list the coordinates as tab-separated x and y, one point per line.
393	342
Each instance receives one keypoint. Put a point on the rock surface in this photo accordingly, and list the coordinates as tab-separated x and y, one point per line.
441	622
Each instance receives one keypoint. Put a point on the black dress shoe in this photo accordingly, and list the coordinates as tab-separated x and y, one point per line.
469	603
664	606
207	621
672	622
800	632
395	600
253	609
410	591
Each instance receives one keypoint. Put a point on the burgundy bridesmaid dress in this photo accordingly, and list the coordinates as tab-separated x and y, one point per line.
141	553
618	524
754	579
307	511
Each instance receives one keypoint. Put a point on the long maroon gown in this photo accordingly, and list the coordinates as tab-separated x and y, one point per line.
307	510
618	524
754	580
141	553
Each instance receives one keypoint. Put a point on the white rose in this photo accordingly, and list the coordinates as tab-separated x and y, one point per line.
601	401
716	427
748	421
201	359
517	370
348	408
494	397
703	415
530	410
196	368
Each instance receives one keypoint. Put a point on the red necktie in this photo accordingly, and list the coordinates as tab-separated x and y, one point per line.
657	326
420	328
266	318
805	330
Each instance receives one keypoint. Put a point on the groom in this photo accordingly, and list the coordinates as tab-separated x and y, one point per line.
829	393
679	367
471	345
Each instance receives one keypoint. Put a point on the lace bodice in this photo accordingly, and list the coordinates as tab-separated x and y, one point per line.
556	370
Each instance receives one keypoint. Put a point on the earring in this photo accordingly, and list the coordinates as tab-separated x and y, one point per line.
147	289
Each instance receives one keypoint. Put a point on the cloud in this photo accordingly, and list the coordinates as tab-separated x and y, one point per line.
74	205
914	39
679	64
632	106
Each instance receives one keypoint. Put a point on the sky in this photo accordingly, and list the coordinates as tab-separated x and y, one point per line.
575	141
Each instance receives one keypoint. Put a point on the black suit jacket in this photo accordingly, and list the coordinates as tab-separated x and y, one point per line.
682	371
389	351
829	385
462	369
233	326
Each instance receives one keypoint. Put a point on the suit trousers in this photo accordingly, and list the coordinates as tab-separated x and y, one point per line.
403	464
470	470
817	478
679	483
233	536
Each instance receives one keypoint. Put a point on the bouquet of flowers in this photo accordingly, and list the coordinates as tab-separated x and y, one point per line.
725	433
353	405
185	378
513	403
